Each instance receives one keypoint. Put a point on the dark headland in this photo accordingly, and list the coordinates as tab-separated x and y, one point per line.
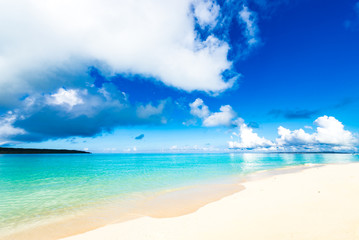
4	150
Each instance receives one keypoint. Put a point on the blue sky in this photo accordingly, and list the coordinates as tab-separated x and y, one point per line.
180	76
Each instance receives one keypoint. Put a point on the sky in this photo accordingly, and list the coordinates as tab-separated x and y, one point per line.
112	76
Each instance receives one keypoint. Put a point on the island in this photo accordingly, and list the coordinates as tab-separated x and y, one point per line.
5	150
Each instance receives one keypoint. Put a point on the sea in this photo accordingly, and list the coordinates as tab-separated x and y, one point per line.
35	188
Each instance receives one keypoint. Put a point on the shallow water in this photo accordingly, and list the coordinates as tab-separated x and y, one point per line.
34	188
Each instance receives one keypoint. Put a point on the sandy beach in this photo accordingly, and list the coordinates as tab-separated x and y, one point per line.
316	203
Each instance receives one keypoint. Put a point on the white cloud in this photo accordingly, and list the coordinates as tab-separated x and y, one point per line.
296	137
206	12
148	37
330	135
225	116
133	149
111	150
174	147
199	109
193	148
68	97
146	111
6	126
248	139
74	112
331	131
249	18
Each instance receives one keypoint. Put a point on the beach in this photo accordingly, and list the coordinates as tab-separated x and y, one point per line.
319	202
176	196
179	120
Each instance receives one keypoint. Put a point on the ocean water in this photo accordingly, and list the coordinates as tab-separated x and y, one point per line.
34	188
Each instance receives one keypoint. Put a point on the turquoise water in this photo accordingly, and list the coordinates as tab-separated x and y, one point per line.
37	187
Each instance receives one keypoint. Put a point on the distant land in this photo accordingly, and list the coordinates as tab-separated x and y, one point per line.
326	152
4	150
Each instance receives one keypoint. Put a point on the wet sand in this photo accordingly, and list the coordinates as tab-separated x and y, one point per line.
169	203
316	203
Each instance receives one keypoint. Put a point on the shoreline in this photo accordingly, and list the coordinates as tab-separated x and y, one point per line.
319	202
176	201
169	204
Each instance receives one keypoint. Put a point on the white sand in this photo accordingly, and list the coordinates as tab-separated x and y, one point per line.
317	203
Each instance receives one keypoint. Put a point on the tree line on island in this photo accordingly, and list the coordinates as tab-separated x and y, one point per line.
6	150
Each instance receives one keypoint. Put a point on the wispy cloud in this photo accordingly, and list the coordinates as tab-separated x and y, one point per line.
293	114
7	130
345	102
146	111
251	30
308	113
194	148
353	23
253	125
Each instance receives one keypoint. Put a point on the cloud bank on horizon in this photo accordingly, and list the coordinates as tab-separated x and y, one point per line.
330	134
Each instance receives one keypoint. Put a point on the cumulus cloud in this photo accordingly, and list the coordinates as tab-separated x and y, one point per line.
247	139
296	137
100	110
50	44
199	109
48	48
206	12
331	131
224	117
330	135
67	97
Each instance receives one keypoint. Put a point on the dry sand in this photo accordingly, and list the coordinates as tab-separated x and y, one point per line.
316	203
